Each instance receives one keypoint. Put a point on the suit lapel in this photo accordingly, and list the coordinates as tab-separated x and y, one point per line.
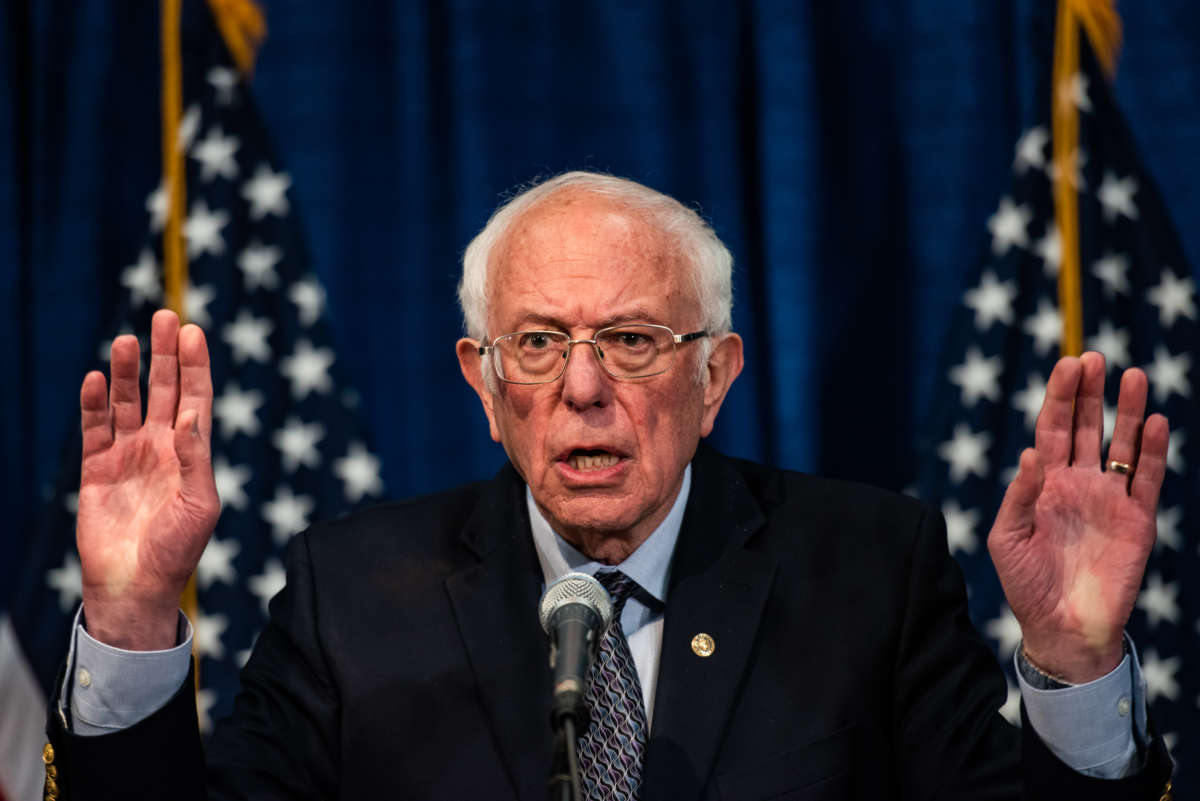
495	603
717	588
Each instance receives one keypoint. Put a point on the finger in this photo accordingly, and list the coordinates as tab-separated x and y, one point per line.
1151	462
1015	518
163	394
1052	436
93	412
1127	431
1089	412
125	397
195	379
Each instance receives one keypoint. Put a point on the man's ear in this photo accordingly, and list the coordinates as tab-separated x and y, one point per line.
470	362
724	365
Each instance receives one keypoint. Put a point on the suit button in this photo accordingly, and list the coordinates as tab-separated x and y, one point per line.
48	753
51	772
703	645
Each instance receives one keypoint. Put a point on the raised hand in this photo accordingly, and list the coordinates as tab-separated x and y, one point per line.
147	499
1072	536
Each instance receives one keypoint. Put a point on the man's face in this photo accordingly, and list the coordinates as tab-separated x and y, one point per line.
603	457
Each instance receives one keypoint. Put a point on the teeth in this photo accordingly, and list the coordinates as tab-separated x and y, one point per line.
581	461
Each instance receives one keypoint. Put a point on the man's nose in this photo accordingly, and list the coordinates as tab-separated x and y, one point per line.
585	383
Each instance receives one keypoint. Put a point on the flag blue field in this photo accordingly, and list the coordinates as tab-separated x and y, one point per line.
1139	309
288	444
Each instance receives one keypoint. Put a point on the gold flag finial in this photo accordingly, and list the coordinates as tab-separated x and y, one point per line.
243	27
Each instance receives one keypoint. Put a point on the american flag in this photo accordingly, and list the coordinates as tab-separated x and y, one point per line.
1139	309
289	447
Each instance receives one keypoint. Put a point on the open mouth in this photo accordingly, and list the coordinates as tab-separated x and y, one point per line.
584	459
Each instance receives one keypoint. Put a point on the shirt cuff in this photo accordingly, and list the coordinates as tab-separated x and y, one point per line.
112	689
1094	728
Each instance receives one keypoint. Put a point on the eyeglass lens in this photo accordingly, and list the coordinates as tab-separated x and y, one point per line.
629	351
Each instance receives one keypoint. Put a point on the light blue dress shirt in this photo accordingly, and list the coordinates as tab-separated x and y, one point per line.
1094	727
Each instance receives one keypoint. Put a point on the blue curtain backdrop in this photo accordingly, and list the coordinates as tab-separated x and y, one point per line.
849	153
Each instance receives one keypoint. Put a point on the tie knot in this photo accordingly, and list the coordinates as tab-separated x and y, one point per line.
619	586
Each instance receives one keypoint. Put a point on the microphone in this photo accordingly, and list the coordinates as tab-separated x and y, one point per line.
575	611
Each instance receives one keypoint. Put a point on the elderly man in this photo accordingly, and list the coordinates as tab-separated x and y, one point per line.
777	635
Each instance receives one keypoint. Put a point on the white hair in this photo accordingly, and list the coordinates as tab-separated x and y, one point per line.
696	242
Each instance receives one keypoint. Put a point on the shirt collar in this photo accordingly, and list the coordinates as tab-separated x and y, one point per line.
648	565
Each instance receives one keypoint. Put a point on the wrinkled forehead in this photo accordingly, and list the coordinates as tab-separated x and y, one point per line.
584	257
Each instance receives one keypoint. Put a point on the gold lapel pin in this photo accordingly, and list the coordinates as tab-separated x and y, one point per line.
703	645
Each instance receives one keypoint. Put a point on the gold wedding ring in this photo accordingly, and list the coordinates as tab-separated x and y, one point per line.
1124	468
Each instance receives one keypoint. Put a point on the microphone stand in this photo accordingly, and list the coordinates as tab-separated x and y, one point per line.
564	770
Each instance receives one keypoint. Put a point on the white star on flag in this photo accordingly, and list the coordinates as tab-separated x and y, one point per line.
1175	450
309	297
1074	91
1113	271
1010	710
1009	226
202	229
206	634
216	563
189	124
977	377
1169	374
156	205
67	581
1071	169
1168	528
359	471
1160	675
1110	420
308	369
1045	326
1031	149
1028	401
287	513
960	527
1113	343
1005	630
257	262
992	301
215	152
966	452
267	192
205	700
1116	196
266	584
238	411
297	444
1158	600
196	302
231	481
1174	298
142	280
247	337
1049	250
223	81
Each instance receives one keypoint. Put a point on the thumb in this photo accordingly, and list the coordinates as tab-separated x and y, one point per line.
1015	518
190	448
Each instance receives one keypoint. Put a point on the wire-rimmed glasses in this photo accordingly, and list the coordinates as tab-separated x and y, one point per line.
635	350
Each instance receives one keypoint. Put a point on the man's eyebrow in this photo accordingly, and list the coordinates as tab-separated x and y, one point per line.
639	314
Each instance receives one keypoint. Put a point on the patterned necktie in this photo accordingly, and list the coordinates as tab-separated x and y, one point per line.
612	749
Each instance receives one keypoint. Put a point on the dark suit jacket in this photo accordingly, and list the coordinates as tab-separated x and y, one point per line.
405	660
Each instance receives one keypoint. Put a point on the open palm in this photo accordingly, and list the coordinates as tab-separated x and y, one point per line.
1071	539
147	499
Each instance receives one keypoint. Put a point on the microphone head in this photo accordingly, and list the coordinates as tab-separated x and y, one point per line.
575	588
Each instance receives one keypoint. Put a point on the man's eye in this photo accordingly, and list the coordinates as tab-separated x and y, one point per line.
631	340
535	341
